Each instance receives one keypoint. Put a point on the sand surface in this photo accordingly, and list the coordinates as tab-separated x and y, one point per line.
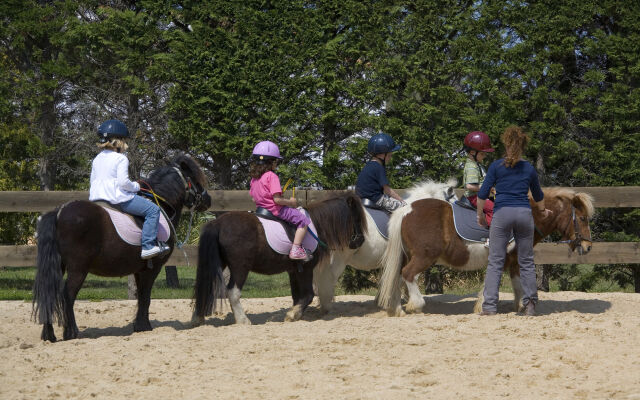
582	346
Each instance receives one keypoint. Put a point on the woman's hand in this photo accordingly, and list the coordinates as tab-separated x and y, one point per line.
482	221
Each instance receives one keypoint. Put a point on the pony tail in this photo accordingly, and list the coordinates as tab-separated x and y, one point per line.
388	296
48	303
209	285
515	140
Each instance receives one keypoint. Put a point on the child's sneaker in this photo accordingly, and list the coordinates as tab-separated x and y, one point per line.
298	253
486	244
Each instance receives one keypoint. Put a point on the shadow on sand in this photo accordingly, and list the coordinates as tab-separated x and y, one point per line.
448	304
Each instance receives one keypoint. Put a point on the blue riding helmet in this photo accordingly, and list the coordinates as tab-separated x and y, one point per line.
111	129
382	143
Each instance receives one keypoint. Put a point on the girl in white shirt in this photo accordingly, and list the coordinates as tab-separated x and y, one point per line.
110	182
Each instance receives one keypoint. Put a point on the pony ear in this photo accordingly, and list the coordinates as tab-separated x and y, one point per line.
185	167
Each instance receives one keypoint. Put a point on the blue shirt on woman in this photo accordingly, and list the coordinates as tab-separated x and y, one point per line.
512	184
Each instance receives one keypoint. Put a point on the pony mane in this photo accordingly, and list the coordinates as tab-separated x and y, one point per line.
335	221
194	167
163	179
429	189
584	199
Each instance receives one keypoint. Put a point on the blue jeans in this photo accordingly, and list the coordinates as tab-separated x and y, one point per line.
151	213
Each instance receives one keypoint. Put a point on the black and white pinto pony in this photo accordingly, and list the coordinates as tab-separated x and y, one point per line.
368	256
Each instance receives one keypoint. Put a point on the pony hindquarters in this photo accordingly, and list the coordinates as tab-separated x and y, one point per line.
48	303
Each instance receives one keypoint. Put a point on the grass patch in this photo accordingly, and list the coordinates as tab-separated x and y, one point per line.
17	284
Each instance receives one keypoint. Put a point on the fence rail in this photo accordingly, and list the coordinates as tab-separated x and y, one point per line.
240	200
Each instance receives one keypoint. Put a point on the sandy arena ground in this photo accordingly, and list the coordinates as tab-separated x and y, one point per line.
582	346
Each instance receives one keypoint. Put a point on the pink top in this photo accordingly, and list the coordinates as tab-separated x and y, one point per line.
263	189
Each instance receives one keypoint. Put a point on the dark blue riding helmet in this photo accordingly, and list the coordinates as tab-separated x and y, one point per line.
382	143
111	129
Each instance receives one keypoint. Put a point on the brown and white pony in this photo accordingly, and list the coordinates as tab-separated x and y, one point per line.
425	235
367	257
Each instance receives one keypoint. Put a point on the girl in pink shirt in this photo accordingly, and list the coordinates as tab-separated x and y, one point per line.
266	193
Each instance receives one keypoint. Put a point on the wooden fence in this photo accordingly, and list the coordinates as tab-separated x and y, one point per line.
240	200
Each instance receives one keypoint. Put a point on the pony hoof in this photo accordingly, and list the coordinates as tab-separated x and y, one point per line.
243	321
396	312
47	334
197	321
142	327
70	334
294	314
414	310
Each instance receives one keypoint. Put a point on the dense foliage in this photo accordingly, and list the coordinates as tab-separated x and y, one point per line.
319	78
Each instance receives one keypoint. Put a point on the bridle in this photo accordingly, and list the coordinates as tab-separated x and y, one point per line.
576	242
192	198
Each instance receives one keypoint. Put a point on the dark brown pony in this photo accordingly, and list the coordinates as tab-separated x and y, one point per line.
79	238
425	235
236	240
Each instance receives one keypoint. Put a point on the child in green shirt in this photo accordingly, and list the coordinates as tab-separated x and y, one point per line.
477	145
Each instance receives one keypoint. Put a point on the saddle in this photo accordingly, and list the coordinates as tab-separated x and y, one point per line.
380	216
289	228
466	223
464	202
280	233
129	227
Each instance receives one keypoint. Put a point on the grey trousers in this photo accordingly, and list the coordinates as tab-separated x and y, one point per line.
508	221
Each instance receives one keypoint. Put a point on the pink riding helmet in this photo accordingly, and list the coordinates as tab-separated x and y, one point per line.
266	148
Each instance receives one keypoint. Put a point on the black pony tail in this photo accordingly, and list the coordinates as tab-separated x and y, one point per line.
209	285
47	303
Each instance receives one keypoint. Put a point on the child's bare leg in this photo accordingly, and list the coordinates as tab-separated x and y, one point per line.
299	236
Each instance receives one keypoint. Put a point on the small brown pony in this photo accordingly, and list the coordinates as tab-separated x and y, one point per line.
425	235
79	238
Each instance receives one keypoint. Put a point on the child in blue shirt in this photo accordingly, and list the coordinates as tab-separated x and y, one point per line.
372	183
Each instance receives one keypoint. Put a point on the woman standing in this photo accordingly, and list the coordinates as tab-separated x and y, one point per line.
512	178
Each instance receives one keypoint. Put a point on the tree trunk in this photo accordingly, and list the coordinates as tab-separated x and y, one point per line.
636	278
47	125
542	277
132	289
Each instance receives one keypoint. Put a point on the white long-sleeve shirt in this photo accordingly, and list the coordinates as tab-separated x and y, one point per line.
110	178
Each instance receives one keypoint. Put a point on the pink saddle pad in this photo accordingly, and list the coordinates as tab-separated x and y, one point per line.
129	231
278	240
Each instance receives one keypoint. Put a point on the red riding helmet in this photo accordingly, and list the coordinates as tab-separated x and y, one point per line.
479	141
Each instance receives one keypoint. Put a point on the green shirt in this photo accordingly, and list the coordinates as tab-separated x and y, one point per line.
473	173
